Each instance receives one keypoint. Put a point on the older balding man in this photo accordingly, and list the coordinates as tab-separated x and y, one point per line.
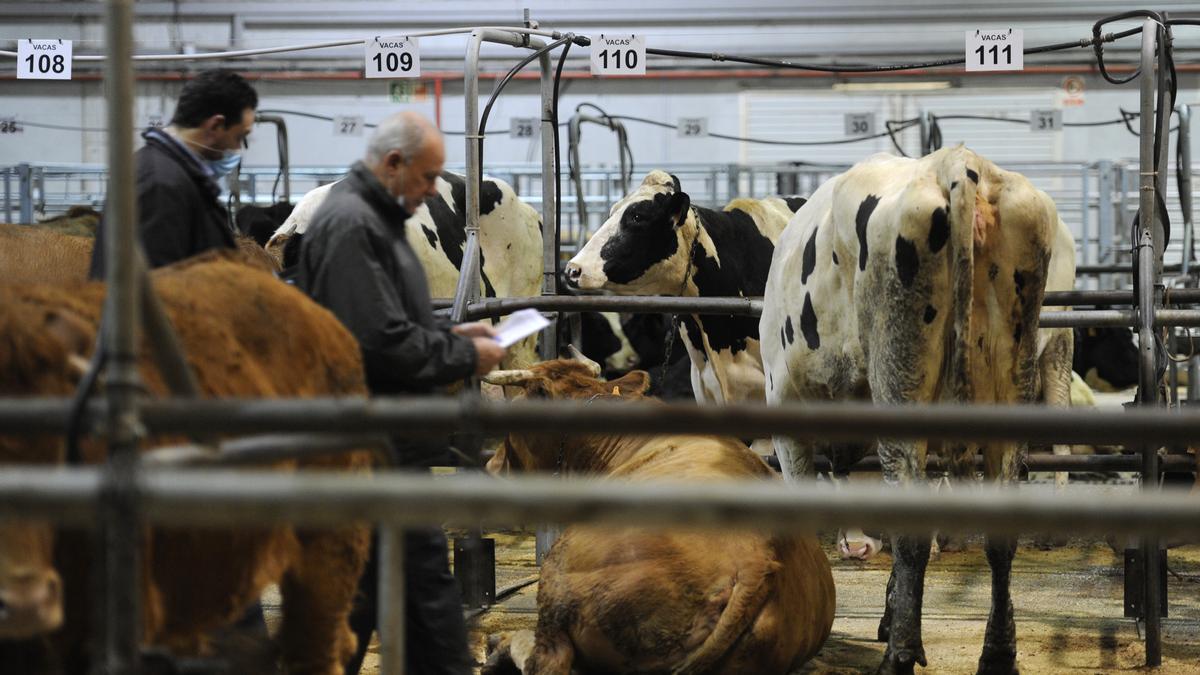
356	261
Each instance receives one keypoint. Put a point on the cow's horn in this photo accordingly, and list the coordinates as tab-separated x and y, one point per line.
509	377
578	356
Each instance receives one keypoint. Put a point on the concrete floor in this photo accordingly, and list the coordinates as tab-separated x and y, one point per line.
1068	605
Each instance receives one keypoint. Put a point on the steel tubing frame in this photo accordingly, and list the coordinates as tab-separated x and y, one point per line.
1149	273
198	498
849	421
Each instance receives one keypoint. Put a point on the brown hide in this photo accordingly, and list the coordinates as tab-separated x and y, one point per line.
43	254
226	315
32	255
631	600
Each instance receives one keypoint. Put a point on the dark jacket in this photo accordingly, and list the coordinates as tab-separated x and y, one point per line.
179	208
355	261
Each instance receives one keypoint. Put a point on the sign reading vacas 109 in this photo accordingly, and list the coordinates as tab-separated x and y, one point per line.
392	57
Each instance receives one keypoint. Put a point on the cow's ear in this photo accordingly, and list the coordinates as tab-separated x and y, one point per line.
74	335
675	180
631	384
679	204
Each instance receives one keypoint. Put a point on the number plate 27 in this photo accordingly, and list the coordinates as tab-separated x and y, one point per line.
392	57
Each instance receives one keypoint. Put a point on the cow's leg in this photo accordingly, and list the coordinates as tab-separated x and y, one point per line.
903	463
318	591
1000	638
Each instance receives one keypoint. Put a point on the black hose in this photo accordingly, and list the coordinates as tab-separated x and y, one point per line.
562	59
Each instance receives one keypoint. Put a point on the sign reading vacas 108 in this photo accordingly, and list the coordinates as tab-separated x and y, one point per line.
43	59
619	55
999	49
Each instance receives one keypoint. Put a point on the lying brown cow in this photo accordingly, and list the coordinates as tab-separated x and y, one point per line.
226	316
43	254
630	600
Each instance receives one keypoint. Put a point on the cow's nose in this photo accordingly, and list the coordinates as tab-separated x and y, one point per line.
30	605
572	273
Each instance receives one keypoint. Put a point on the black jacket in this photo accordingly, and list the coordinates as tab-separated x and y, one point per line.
355	261
179	208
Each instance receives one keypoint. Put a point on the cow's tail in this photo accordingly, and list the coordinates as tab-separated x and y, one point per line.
746	601
962	175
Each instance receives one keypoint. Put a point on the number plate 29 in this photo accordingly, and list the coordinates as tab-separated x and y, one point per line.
392	57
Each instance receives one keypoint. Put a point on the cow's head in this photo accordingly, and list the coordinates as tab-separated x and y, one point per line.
640	249
559	379
41	355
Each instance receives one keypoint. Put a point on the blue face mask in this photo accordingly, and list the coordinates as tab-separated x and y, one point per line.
221	167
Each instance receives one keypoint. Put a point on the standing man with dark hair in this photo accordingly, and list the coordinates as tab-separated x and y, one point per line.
356	261
179	207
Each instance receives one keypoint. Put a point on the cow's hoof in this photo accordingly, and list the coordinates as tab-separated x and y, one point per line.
901	662
998	662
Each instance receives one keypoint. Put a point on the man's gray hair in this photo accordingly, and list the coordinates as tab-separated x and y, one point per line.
403	132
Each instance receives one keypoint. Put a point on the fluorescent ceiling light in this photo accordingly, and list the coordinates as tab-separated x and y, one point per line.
890	86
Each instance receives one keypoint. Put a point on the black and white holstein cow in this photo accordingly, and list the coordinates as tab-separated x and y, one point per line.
510	242
655	242
907	281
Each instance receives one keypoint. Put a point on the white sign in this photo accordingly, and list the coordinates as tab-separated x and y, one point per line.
392	57
1000	49
619	55
1045	120
43	59
692	127
348	125
860	124
10	126
523	127
154	121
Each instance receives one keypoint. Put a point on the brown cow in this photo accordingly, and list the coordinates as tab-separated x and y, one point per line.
193	581
631	600
41	254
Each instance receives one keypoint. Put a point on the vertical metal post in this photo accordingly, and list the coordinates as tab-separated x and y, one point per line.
25	191
1085	215
1105	217
1149	270
1185	185
120	524
391	600
550	232
468	277
8	195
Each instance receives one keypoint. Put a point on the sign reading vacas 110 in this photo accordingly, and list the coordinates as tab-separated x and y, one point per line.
619	55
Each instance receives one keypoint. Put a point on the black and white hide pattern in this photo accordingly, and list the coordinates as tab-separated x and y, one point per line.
637	341
510	242
913	281
1106	357
260	222
655	242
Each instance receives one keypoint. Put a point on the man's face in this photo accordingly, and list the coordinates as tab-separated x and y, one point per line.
413	181
222	134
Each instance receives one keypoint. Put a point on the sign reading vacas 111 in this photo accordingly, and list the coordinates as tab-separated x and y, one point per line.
995	49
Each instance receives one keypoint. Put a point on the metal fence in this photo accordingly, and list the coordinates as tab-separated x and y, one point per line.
1096	200
126	493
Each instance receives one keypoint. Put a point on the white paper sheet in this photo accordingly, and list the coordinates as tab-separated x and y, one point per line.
519	324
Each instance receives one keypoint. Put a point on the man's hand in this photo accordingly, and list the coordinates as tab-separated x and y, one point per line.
477	329
488	353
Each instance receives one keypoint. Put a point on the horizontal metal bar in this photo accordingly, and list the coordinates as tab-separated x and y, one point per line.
613	303
753	307
263	449
827	421
1034	462
253	498
1118	269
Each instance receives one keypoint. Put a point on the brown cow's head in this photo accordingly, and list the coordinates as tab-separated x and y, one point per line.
560	379
40	355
